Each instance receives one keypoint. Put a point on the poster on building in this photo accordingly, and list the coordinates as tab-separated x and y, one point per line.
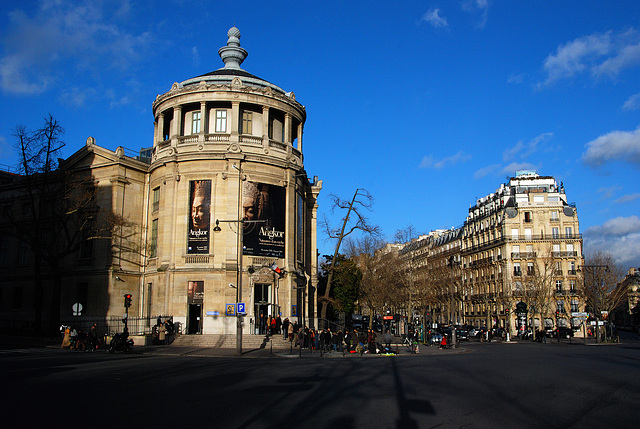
265	203
299	228
195	292
199	218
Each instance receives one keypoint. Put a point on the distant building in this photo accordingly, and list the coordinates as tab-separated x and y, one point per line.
225	170
522	244
518	245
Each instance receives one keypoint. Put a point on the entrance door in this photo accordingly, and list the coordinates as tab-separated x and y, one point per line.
261	306
194	322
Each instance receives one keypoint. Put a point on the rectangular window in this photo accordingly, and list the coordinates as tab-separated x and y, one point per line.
554	215
156	199
561	307
247	119
572	286
528	233
567	232
527	217
153	246
4	251
575	305
555	233
516	269
17	297
530	269
82	294
559	286
195	122
221	121
23	254
514	234
556	247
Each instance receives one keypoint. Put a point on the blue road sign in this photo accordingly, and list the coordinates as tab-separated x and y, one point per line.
241	308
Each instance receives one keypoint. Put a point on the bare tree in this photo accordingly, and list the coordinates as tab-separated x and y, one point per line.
537	286
361	201
53	212
601	278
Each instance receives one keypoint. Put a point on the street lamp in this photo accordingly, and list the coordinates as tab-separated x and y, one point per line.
240	221
592	270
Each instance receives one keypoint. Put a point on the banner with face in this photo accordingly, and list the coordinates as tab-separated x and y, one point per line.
264	203
200	218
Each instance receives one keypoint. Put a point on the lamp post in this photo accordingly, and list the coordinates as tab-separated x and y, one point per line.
452	263
240	221
592	269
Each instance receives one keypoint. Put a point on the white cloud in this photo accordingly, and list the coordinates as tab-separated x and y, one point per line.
478	5
515	166
525	150
627	198
433	17
632	103
618	236
600	54
430	162
607	192
617	145
516	78
486	171
195	56
80	34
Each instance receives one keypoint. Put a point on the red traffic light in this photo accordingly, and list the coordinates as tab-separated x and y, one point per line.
127	300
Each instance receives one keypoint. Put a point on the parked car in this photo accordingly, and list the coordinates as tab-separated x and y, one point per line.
462	334
563	333
477	332
436	337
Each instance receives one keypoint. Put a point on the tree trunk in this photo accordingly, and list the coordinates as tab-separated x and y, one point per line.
327	291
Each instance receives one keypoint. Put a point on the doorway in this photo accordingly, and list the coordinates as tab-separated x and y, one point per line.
194	320
261	306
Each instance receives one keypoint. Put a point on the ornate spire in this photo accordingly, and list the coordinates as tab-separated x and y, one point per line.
232	54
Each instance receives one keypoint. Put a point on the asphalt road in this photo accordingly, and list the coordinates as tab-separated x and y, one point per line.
478	385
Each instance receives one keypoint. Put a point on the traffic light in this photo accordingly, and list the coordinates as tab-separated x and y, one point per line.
127	300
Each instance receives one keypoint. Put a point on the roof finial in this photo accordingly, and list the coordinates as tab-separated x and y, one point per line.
232	54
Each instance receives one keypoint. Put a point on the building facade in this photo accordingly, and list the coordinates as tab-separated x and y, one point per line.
219	211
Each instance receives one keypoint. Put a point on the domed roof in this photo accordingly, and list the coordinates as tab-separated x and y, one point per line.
232	55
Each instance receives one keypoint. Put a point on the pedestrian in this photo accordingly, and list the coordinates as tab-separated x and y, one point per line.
263	324
347	340
285	328
93	336
278	324
162	332
66	339
290	331
273	325
443	343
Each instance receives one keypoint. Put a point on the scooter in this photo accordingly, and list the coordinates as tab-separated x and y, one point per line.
121	343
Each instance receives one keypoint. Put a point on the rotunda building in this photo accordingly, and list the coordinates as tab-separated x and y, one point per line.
231	221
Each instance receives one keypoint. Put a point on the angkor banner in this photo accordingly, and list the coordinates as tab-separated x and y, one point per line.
200	218
265	203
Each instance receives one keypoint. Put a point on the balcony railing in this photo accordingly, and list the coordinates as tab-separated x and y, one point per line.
565	254
523	255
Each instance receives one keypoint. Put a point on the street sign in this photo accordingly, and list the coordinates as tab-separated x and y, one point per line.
231	309
241	308
77	309
579	314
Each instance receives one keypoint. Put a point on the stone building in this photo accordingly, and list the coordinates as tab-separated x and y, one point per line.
225	172
522	244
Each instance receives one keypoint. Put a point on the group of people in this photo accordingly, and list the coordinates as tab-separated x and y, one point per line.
162	330
349	341
73	339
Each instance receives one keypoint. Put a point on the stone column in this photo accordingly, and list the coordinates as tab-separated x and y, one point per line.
234	121
204	121
177	124
160	129
265	127
300	127
287	128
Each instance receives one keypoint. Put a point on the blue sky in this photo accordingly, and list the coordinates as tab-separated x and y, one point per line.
426	104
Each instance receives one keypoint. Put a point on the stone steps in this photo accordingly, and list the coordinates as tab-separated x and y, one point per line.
229	341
